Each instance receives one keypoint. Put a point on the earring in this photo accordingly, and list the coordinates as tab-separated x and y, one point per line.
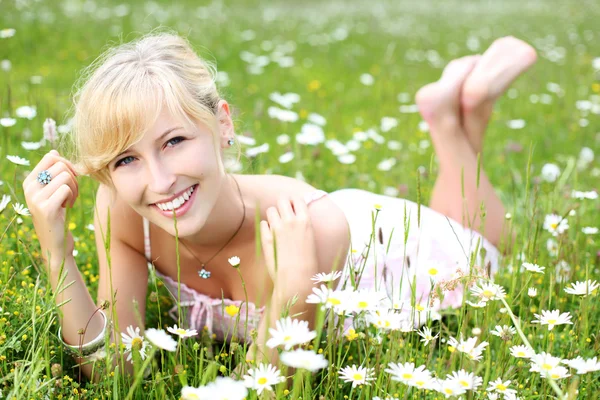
230	142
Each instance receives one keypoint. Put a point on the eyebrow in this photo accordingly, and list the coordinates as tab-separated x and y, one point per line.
158	139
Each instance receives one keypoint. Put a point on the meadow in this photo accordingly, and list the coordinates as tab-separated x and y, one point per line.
325	92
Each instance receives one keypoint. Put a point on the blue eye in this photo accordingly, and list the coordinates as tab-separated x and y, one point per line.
178	140
122	161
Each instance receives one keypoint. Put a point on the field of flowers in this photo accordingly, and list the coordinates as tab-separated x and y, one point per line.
325	92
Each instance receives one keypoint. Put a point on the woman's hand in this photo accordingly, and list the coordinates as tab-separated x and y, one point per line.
47	205
288	231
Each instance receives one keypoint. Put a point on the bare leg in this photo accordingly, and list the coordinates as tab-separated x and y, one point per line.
439	104
505	60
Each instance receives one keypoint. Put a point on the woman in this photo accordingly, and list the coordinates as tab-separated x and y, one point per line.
150	126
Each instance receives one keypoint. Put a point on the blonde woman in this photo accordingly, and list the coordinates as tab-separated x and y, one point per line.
152	129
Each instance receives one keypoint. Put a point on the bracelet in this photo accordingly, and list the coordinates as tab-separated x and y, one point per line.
88	348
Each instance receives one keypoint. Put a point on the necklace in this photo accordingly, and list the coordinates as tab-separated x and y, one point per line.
203	273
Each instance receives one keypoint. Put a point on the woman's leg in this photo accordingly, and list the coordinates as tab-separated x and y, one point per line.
439	104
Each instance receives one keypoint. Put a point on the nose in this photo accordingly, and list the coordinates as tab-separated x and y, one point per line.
161	178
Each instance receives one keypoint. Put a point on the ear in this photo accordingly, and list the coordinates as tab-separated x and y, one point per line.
225	123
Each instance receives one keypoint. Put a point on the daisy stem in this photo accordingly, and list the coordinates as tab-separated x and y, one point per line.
139	374
515	321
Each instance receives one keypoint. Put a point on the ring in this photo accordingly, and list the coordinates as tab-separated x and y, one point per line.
44	177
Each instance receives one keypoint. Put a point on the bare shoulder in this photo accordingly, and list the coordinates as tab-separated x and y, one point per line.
125	224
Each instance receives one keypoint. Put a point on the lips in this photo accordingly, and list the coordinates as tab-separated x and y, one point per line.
175	196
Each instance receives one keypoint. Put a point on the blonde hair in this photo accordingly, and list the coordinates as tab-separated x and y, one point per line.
120	95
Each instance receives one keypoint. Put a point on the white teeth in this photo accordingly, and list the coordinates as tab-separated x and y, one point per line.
178	202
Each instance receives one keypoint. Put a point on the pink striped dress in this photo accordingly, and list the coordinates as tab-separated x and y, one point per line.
410	243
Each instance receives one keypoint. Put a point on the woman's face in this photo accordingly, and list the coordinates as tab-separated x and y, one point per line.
171	168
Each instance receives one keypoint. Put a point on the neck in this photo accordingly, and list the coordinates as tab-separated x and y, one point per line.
224	219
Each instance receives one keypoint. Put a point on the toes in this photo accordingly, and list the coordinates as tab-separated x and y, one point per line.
459	68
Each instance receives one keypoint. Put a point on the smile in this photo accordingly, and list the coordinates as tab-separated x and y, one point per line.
178	202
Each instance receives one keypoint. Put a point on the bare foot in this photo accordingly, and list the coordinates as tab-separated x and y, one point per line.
498	67
439	102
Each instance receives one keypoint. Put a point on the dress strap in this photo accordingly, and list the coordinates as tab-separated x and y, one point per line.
147	249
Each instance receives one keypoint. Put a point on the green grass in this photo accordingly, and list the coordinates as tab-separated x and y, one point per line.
386	39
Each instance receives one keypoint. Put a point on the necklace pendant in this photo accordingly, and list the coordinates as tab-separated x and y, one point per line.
204	274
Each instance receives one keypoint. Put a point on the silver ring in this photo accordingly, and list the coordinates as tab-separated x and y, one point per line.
44	177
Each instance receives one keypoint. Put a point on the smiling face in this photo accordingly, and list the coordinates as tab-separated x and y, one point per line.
175	167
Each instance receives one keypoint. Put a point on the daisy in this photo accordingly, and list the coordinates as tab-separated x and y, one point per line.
427	335
328	298
448	387
533	267
552	247
591	195
20	209
468	347
500	387
133	338
583	366
479	304
321	277
532	292
363	300
583	288
190	393
552	318
290	332
589	230
466	380
7	122
263	378
234	261
488	291
304	359
4	202
386	319
521	351
409	375
504	332
182	333
555	224
357	375
18	160
161	339
544	362
223	388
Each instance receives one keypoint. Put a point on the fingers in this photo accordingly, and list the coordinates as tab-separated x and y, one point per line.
60	197
49	159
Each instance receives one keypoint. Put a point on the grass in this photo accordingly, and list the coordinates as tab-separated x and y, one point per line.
402	46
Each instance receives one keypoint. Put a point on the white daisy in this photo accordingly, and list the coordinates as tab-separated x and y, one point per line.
448	387
18	160
552	247
357	375
544	362
20	209
427	335
7	122
190	393
234	261
488	291
468	347
386	319
533	267
4	202
583	366
223	388
321	277
411	376
555	224
591	195
550	172
305	359
363	300
532	292
290	332
500	387
521	351
183	333
133	338
504	332
263	378
552	318
589	230
583	288
161	339
466	380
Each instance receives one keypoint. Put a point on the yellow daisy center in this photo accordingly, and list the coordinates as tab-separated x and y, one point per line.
554	226
406	375
448	391
433	271
552	321
419	383
287	338
180	331
334	301
362	304
464	383
262	381
547	367
521	354
357	377
501	387
419	307
488	293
